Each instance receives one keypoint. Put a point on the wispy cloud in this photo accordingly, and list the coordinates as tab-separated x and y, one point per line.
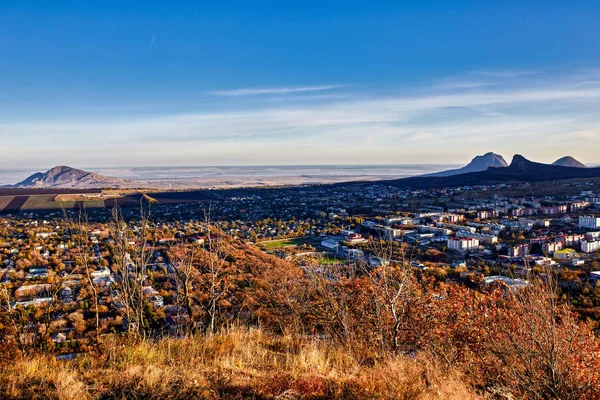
306	98
151	43
506	74
536	116
276	90
461	84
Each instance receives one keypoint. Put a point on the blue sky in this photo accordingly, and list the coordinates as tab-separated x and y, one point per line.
264	82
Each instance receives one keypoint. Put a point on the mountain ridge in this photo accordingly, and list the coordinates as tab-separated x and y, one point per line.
568	161
63	176
478	163
519	170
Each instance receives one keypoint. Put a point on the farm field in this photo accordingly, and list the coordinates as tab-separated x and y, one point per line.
36	192
15	204
23	200
4	201
50	202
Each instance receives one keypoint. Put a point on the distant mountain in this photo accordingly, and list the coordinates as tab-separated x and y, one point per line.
569	161
519	170
479	163
67	177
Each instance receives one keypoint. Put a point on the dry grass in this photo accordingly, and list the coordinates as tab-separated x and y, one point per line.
234	365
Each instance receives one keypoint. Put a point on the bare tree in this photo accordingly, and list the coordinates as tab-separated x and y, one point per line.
394	293
130	263
217	286
119	247
329	301
182	261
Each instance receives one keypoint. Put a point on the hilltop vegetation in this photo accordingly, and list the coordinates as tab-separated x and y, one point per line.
235	364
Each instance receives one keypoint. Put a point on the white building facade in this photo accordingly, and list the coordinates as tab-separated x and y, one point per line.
463	244
589	222
590	247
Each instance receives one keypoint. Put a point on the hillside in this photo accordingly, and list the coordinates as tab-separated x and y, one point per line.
569	161
238	364
479	163
68	177
286	333
520	170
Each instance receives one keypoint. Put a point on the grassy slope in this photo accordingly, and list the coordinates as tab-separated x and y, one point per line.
234	365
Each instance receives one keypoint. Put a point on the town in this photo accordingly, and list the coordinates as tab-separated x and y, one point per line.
471	235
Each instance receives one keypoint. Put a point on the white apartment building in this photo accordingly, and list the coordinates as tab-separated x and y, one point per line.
518	250
462	244
590	247
589	222
481	237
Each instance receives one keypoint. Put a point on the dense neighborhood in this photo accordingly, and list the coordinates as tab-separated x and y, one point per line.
451	234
